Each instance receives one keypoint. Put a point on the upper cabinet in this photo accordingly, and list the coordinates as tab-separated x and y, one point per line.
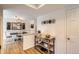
15	26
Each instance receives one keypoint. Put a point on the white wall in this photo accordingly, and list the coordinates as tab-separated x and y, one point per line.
58	29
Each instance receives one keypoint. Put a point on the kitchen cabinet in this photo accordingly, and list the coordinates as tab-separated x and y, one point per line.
28	41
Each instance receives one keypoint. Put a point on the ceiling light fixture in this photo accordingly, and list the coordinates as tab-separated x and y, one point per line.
35	6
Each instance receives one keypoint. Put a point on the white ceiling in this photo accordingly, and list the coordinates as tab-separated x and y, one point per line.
23	8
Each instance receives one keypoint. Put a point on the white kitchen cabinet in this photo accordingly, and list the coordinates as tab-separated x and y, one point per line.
28	41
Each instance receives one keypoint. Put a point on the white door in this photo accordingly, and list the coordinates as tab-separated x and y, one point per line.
73	31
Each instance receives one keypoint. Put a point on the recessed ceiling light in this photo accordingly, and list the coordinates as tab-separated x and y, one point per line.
35	6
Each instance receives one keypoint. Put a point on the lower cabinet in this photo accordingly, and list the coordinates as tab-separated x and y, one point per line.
28	41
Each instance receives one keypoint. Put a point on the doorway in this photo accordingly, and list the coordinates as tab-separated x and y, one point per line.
73	31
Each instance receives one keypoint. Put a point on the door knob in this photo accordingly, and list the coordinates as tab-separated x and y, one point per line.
68	38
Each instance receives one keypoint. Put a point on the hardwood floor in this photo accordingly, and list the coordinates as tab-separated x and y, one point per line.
16	48
32	51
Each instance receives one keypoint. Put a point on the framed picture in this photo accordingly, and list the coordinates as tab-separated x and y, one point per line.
32	26
53	20
50	21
